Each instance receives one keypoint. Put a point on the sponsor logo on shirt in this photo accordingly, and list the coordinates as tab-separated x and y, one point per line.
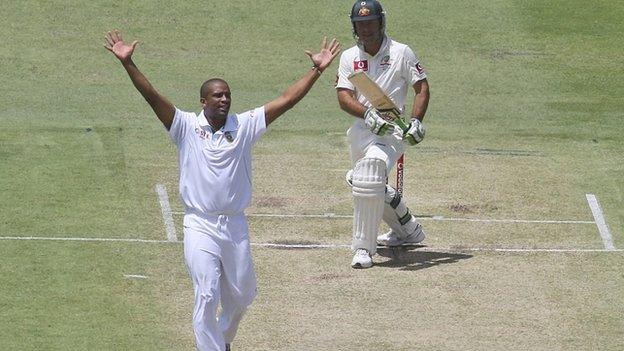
202	133
360	65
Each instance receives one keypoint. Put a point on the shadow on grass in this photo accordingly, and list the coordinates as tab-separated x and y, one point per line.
408	258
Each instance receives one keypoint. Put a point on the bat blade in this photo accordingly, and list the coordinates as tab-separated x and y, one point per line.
377	98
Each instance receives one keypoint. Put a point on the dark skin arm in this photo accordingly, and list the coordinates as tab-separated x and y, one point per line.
299	89
349	104
162	107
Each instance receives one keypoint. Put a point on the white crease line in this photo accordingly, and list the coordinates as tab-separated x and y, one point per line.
301	246
321	246
136	276
601	223
115	240
426	218
163	198
541	221
520	250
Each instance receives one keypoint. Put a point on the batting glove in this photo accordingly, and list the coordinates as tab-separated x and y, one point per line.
375	122
415	133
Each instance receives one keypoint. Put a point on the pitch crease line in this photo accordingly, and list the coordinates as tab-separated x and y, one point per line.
114	240
316	246
421	217
165	208
601	223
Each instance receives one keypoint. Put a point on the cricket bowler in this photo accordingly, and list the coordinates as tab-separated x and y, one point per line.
214	152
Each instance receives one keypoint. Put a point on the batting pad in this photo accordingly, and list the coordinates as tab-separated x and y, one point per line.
396	214
369	189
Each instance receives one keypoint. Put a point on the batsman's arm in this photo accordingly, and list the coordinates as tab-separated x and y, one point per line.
421	99
299	89
165	111
349	104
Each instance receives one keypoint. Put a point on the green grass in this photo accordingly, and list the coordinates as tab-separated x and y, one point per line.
524	120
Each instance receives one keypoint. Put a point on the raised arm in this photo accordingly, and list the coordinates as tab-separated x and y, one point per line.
162	107
299	89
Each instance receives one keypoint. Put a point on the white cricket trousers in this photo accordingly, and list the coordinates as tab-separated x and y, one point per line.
218	257
363	143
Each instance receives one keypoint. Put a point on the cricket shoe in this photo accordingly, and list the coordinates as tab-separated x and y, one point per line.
362	259
391	238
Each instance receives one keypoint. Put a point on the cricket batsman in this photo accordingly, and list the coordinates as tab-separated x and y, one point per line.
375	143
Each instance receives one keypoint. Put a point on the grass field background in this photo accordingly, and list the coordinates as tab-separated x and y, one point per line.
525	119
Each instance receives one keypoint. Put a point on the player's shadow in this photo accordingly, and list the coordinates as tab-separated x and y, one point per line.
409	258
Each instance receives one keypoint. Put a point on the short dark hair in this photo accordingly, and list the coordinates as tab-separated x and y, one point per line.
204	88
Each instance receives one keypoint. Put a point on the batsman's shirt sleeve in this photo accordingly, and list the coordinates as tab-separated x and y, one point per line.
344	71
413	70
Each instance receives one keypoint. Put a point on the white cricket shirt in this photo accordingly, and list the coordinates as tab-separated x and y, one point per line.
395	68
215	167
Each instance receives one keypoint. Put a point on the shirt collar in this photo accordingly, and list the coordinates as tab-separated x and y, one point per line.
385	42
231	123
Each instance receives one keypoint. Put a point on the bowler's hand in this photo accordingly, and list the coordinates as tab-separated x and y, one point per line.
115	44
328	52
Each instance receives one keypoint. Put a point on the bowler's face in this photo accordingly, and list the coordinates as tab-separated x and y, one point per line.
217	101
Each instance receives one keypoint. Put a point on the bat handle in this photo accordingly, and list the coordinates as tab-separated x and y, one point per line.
401	123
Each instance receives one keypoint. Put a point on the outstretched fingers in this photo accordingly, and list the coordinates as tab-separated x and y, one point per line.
109	42
334	47
324	43
111	38
116	35
114	43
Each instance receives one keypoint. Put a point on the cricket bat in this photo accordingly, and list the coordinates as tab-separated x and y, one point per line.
379	100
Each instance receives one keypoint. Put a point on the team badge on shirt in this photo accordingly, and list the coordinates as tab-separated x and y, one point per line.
229	137
360	65
385	61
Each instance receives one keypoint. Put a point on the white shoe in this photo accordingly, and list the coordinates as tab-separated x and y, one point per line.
362	259
391	238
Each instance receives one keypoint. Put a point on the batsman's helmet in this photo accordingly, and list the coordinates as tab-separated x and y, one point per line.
366	10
